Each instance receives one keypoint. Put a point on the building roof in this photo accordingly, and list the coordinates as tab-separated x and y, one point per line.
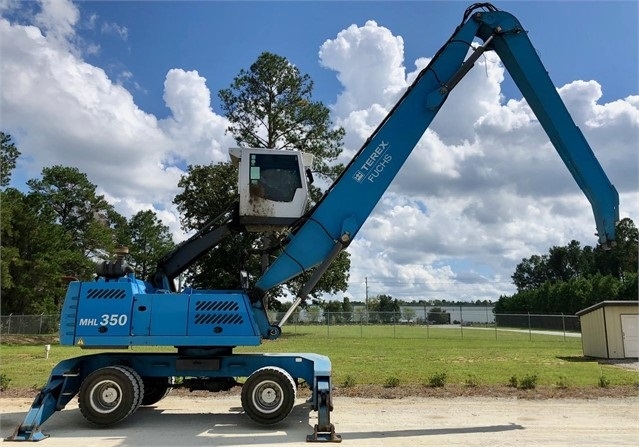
606	304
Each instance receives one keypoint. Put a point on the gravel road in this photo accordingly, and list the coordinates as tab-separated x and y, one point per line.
412	421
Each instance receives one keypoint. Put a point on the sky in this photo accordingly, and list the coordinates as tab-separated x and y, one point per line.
127	92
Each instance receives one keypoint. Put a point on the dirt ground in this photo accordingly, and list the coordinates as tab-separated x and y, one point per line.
217	420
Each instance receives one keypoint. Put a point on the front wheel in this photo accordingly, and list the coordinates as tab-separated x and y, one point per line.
268	395
110	394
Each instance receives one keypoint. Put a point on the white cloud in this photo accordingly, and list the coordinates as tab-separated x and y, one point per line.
113	28
57	19
62	110
369	64
195	128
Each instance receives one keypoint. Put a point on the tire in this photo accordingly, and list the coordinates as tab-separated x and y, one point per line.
268	395
156	389
109	395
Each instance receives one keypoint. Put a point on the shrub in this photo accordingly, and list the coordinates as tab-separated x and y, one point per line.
604	382
471	381
349	381
529	382
4	382
513	382
437	380
391	382
562	382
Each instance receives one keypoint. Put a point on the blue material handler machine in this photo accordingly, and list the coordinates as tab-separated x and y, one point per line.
120	310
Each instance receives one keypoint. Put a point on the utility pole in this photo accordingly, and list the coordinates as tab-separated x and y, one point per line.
366	297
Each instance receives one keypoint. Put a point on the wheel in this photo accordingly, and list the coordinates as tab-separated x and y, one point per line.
110	394
156	389
268	395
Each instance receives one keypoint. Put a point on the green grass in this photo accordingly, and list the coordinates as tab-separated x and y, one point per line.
409	355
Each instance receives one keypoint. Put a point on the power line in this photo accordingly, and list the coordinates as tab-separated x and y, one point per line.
430	282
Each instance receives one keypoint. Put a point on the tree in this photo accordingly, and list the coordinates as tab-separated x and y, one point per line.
436	315
209	191
313	314
569	279
347	310
67	195
150	240
36	253
271	106
333	312
409	314
387	308
621	259
268	106
530	273
572	261
8	156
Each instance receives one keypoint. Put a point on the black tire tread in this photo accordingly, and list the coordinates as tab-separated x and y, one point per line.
127	378
278	375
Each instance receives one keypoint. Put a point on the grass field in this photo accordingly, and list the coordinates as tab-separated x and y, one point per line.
398	356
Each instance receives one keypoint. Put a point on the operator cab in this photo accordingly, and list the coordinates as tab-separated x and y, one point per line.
273	186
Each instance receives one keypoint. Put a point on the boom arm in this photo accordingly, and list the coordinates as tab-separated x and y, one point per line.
191	250
333	223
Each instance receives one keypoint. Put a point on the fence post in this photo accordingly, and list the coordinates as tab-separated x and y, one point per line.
40	329
9	325
563	323
328	324
529	328
461	322
394	325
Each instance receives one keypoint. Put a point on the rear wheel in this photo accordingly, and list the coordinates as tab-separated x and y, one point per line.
156	389
268	395
109	395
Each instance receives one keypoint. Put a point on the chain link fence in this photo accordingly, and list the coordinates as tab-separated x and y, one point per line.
358	323
397	325
29	324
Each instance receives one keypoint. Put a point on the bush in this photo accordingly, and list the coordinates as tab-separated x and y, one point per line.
391	382
349	381
4	382
529	382
513	382
437	380
471	381
604	382
562	382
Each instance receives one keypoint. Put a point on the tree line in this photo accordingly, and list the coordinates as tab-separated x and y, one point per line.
56	230
571	278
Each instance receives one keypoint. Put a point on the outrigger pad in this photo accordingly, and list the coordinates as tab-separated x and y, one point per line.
318	436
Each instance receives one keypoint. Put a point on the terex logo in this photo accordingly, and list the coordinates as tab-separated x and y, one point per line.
374	164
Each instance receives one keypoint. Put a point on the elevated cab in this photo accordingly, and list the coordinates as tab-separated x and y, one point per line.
273	186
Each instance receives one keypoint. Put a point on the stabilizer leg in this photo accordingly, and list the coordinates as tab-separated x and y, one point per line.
58	391
324	431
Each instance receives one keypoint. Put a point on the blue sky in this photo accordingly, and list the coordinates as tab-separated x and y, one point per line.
127	93
590	40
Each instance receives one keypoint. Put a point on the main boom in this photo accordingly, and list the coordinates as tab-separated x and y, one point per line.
336	219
